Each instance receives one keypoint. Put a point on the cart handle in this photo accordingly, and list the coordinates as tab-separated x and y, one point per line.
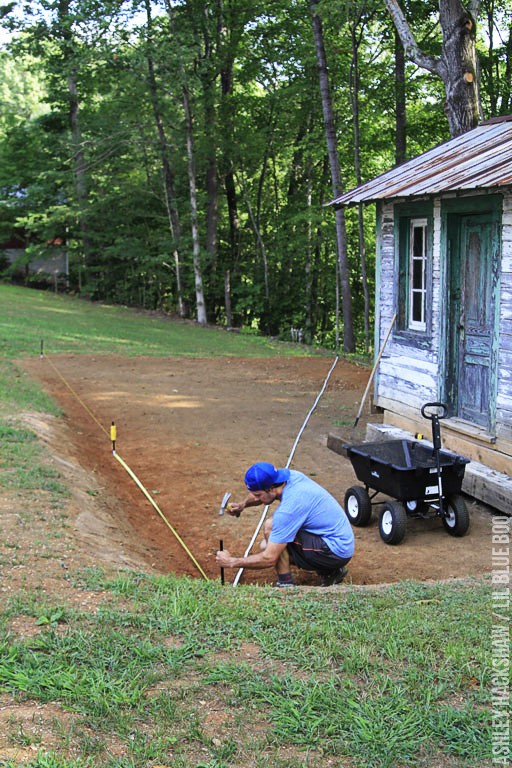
432	416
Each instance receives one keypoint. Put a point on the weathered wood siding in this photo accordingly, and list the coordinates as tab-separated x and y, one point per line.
407	374
504	396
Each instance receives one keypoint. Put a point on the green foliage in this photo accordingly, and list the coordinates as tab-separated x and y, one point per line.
96	175
22	92
494	54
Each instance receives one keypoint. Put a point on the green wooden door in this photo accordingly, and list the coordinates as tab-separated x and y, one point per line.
472	318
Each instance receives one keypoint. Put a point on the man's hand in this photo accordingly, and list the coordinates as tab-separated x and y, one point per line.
224	558
234	508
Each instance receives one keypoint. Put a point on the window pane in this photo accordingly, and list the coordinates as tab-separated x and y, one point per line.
417	245
417	274
417	307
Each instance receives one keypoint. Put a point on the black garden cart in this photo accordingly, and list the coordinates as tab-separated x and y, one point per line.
424	481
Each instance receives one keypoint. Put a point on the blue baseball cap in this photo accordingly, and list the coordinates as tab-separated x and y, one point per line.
262	475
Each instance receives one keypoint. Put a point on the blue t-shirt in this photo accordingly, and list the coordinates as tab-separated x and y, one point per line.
305	504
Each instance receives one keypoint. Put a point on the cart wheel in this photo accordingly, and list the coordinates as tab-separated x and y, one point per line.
416	508
456	516
392	522
358	506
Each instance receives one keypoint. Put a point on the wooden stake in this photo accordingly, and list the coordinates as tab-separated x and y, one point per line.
373	371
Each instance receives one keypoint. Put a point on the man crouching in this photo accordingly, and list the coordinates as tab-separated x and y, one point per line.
309	528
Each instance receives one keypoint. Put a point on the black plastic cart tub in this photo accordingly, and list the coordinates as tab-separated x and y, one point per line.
406	469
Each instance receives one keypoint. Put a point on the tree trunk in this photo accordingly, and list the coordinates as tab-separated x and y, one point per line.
400	109
506	99
196	249
79	172
208	78
308	330
259	239
226	80
461	67
212	206
234	221
168	174
354	92
189	130
330	132
457	66
227	299
79	169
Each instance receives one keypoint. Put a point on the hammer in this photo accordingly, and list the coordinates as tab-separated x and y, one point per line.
224	503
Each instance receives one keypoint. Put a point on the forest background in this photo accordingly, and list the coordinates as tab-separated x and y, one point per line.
180	152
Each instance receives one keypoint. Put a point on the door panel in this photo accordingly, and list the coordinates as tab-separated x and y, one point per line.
473	250
476	330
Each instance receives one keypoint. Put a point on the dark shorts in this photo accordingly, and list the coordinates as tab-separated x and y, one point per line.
311	553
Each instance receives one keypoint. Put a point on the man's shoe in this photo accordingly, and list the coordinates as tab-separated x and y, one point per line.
335	577
284	584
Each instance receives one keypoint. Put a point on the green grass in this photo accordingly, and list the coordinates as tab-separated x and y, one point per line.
64	324
387	678
380	677
20	462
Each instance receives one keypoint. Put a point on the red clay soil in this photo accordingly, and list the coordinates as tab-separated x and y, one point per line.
189	428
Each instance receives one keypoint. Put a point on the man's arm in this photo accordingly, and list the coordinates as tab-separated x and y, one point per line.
235	507
267	558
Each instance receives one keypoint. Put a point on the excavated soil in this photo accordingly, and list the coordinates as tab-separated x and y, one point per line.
188	429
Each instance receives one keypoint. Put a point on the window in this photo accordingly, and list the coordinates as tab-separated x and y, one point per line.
417	299
413	242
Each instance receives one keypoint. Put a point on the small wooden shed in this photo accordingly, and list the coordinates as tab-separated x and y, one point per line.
444	269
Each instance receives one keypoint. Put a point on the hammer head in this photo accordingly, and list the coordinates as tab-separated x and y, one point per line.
224	503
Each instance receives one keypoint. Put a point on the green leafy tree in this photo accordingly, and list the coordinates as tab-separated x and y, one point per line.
93	144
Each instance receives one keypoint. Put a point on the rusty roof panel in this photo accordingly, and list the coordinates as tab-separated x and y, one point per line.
476	159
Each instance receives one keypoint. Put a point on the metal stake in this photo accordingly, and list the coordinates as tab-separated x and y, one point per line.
221	547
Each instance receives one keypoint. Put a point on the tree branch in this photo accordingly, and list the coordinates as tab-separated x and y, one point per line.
411	47
473	8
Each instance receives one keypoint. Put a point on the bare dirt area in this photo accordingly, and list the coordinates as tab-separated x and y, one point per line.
188	429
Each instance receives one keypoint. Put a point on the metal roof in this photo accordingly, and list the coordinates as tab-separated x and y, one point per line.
480	158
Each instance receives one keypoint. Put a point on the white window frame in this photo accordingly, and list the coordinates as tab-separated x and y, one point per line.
421	288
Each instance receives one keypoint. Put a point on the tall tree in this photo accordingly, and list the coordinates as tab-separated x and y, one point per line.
181	53
496	57
457	66
332	149
69	55
196	247
167	168
400	103
358	25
